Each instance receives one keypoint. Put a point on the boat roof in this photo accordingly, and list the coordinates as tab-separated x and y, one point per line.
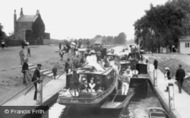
82	49
86	70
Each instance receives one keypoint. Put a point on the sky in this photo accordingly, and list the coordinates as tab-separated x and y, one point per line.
67	19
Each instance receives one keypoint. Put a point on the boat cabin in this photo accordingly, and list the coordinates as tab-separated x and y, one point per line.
87	86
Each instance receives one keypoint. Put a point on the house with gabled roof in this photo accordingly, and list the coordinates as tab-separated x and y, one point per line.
184	45
30	28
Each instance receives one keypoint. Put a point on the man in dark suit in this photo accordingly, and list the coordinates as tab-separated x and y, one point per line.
67	66
25	70
180	74
36	79
155	64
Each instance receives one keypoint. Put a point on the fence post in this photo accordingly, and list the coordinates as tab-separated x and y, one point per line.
40	92
155	75
171	96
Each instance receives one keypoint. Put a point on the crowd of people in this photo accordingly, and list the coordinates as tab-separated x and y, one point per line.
78	58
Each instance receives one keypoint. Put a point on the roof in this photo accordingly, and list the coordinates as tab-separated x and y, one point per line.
184	39
27	18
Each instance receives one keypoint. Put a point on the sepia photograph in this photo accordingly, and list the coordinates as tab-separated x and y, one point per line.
95	59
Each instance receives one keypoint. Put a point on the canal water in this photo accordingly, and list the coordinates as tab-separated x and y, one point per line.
143	98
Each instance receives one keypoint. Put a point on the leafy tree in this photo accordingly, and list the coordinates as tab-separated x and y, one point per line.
2	33
162	25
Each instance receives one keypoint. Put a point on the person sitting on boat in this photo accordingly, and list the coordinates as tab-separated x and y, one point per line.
135	73
99	90
106	63
84	85
92	85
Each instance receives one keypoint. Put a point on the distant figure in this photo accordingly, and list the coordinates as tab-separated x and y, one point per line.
23	43
21	53
3	44
54	71
155	64
60	46
25	71
167	77
36	79
28	51
147	62
180	74
61	54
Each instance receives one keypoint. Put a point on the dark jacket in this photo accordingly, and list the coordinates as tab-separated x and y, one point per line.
67	65
36	75
180	74
155	64
25	66
168	74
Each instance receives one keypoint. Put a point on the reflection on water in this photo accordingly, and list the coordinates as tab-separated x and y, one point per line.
90	113
138	109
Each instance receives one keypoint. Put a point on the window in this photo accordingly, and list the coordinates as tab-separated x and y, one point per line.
187	45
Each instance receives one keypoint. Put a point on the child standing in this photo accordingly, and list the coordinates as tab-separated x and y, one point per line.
54	71
28	52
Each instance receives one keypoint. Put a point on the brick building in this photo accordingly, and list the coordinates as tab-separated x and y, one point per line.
30	28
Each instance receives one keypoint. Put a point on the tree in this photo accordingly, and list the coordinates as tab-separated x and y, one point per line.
121	38
2	33
162	25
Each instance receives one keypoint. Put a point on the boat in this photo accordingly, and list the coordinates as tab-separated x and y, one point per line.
105	85
157	112
116	99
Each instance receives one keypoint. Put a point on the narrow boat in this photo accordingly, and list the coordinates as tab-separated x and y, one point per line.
157	112
105	83
117	99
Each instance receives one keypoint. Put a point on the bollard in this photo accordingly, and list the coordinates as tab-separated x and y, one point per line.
155	74
171	96
39	92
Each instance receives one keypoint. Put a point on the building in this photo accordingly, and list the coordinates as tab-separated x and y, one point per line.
30	28
184	45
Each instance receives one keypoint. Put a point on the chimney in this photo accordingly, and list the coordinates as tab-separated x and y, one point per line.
15	18
37	12
21	12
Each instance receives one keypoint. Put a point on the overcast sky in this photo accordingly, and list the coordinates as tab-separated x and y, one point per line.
79	18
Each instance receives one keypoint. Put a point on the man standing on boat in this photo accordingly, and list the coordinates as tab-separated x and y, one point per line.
126	76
